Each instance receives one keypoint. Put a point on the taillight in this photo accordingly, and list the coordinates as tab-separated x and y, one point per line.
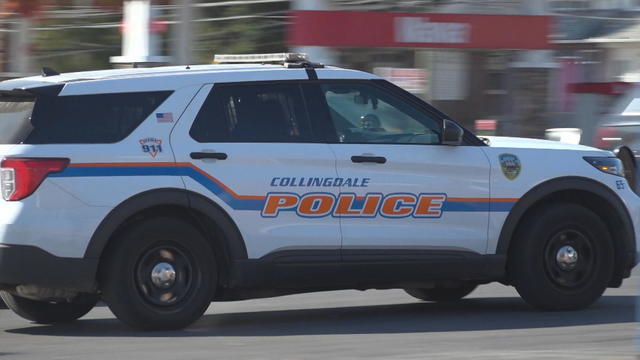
20	177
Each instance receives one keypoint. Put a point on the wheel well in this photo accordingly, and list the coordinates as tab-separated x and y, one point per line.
601	207
212	232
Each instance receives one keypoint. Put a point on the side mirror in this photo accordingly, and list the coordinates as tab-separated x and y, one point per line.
451	133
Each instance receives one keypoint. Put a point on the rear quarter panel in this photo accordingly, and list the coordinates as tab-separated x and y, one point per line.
64	212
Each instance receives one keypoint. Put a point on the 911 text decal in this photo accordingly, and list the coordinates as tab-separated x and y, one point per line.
321	204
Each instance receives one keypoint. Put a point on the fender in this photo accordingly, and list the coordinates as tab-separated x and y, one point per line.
168	196
625	227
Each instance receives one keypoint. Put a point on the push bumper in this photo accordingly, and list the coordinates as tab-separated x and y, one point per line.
23	264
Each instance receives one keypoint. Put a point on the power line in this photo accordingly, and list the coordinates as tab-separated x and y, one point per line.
110	25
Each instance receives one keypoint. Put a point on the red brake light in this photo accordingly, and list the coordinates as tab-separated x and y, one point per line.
20	177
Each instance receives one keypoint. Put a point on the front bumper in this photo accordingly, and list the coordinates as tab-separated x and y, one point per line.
24	264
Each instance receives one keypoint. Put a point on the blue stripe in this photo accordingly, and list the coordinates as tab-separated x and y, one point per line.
494	206
466	206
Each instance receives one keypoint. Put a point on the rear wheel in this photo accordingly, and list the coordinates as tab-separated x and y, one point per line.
44	312
562	258
442	294
159	275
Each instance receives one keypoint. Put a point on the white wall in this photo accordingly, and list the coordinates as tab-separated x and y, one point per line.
450	75
623	64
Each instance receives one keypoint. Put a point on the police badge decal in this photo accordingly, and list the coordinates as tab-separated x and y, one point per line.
510	165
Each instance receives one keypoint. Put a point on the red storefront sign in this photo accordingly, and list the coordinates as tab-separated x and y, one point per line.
418	30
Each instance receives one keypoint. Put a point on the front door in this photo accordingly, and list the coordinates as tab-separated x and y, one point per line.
407	191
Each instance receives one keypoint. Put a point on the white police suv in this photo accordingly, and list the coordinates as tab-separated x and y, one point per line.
159	190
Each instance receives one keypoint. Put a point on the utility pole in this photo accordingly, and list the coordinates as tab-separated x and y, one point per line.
528	82
19	47
140	44
182	44
321	54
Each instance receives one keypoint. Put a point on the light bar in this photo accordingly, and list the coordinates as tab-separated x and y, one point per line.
259	58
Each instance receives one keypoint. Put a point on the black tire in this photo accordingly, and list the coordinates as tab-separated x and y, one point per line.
126	281
545	278
43	312
442	294
628	158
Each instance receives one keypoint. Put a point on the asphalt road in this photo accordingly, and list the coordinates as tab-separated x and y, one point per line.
493	323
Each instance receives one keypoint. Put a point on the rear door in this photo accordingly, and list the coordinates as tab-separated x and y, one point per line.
250	147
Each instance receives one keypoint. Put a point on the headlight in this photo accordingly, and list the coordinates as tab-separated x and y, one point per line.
609	165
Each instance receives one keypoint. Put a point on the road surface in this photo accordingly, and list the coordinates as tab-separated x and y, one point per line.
493	323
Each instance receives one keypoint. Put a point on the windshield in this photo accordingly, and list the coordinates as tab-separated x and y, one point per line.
15	115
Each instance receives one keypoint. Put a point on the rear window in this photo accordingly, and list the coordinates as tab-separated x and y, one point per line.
79	119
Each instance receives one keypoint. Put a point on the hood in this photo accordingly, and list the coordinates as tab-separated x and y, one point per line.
527	143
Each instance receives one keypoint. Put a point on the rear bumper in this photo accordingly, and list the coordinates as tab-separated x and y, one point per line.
24	264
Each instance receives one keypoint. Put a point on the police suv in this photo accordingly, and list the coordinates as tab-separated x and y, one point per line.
160	190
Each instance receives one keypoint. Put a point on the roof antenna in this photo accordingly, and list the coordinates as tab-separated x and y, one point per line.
49	72
188	67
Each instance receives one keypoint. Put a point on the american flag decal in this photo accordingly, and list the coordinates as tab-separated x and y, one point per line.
164	117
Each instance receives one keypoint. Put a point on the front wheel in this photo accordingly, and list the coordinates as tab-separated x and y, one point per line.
561	258
442	294
159	275
44	312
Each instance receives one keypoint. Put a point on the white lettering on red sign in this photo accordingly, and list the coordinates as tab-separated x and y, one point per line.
420	30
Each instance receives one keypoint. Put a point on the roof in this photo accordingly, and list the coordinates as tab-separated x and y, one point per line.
137	72
173	77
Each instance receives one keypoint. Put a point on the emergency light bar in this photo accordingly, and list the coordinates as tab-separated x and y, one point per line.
260	58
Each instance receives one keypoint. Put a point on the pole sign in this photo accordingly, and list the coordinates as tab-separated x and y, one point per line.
418	30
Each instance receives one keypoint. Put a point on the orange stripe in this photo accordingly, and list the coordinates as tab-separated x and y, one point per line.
249	197
225	187
129	164
171	164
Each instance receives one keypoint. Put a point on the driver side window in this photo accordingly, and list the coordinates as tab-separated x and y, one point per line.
363	113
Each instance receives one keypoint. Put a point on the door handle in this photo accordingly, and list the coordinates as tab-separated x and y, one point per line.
208	155
369	159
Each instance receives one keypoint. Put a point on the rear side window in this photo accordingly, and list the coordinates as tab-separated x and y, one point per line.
89	119
15	112
253	113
